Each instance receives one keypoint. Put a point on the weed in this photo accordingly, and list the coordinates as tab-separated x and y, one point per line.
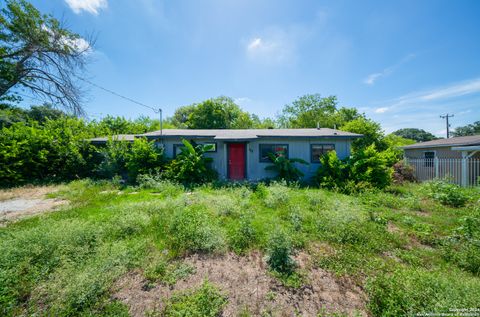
279	253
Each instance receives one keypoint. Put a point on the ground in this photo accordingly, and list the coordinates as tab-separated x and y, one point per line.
162	250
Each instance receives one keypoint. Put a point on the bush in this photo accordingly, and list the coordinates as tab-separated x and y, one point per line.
447	193
244	236
403	173
408	292
191	166
365	169
207	301
285	168
192	229
277	194
279	253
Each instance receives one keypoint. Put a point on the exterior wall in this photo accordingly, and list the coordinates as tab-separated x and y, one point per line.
255	170
440	152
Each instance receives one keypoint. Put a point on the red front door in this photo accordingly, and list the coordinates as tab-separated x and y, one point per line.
236	161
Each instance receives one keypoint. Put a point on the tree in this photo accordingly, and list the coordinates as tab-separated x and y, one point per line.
38	54
309	110
371	130
470	129
215	113
418	135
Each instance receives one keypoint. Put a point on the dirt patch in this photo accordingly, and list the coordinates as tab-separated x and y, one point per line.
22	202
249	286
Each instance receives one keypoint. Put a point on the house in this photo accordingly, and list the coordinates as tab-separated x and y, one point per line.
242	154
456	158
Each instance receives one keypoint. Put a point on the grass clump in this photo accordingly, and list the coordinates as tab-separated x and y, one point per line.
193	229
408	292
206	301
278	195
160	270
279	253
244	235
446	193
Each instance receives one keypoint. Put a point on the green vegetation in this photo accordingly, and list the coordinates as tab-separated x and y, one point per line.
285	167
469	129
418	135
411	252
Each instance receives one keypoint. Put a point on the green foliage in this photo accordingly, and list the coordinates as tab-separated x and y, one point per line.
191	166
372	133
470	129
192	230
309	110
279	253
407	292
285	168
206	301
244	236
168	273
447	193
418	135
365	169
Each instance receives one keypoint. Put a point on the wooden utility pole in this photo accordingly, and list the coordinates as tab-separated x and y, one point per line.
447	116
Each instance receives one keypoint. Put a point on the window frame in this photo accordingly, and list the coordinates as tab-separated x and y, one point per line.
287	154
317	144
429	162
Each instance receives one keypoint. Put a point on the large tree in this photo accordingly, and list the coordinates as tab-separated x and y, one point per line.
372	133
418	135
311	110
470	129
216	113
39	55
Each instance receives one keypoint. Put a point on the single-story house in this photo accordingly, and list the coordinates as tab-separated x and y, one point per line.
457	158
242	154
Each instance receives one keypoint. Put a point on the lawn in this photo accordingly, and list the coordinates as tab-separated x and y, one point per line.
162	250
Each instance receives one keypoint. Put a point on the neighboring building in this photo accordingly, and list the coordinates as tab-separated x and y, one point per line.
457	158
243	154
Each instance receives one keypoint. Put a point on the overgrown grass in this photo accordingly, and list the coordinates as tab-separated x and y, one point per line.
411	252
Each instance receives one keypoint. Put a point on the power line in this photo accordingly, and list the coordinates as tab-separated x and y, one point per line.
118	95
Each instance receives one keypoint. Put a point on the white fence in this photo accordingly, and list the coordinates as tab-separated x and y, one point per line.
465	172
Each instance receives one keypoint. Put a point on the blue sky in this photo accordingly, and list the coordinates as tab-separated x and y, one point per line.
403	63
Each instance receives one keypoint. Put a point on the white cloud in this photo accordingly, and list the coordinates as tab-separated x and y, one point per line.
381	110
242	101
456	90
90	6
276	45
372	78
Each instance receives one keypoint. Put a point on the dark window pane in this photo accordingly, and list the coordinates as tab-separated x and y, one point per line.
318	150
429	159
277	149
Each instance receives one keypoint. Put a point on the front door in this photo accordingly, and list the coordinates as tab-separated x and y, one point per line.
236	161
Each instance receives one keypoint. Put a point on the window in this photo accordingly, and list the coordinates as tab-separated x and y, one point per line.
277	149
177	148
318	150
429	157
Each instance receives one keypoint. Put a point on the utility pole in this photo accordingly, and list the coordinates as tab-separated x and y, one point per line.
447	116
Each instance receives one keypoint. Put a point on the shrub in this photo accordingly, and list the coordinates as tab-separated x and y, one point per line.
244	235
408	292
285	168
191	166
278	194
447	193
192	230
365	169
279	253
403	173
206	301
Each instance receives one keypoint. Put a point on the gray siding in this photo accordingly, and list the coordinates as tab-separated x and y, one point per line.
440	152
298	148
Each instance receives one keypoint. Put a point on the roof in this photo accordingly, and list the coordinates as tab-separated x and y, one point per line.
118	137
245	134
458	141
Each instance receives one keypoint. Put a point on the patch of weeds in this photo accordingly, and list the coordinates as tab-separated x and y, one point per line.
163	187
168	273
279	253
224	205
409	292
244	235
374	217
447	193
278	195
291	280
296	219
192	229
206	301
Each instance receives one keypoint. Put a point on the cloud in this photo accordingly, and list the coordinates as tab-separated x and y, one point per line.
372	78
381	110
242	101
90	6
276	45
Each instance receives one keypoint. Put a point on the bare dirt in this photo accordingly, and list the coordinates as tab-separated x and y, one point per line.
23	202
249	287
